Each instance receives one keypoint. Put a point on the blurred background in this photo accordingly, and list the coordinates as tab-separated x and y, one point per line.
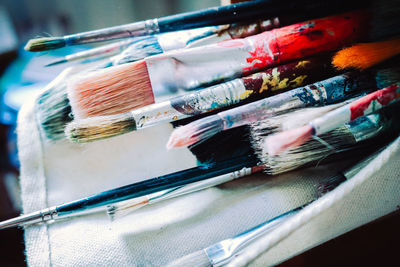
23	73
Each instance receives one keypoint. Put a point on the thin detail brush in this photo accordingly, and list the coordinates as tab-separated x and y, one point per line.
328	91
122	88
278	143
207	17
120	209
135	190
260	85
365	55
94	53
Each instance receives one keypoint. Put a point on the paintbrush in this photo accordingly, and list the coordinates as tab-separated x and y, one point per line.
161	43
345	140
224	251
95	53
238	166
53	108
120	209
243	164
260	85
364	55
122	88
207	17
353	136
328	91
278	143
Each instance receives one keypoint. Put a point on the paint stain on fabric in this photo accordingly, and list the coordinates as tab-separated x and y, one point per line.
383	97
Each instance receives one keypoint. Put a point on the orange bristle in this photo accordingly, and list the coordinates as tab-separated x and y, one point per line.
364	55
114	90
280	142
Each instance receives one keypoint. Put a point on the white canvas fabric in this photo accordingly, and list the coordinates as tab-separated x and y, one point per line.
53	173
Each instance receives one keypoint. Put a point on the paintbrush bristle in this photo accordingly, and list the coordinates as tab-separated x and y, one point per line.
110	91
141	49
52	107
100	127
195	259
44	43
280	142
309	151
195	132
121	209
365	55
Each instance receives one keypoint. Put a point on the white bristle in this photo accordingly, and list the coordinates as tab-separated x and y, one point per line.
196	259
123	208
141	49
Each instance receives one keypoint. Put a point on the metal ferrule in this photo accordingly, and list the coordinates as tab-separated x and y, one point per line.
129	30
221	252
197	186
31	218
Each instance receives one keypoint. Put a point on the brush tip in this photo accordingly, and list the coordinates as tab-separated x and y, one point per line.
101	127
44	43
278	143
54	63
179	138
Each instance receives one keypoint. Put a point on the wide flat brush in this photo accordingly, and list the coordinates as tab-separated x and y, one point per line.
207	17
328	91
259	85
278	143
123	88
366	131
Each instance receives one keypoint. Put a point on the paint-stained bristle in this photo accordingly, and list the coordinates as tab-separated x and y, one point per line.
195	259
100	127
114	90
45	43
195	132
280	142
310	151
365	55
145	47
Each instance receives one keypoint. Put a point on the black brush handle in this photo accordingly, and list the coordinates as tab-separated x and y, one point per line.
252	10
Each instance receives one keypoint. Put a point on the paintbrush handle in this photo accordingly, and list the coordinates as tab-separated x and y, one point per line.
360	107
207	17
253	87
196	67
157	184
328	91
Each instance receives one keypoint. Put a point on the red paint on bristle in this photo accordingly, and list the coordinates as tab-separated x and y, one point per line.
384	97
113	90
305	39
